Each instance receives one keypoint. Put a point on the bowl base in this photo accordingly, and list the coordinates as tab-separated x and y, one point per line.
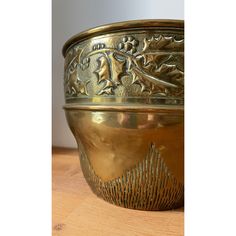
147	186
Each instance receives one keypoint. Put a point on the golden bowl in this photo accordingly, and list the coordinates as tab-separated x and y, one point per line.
124	93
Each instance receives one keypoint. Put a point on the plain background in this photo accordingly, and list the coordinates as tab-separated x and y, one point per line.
25	120
73	16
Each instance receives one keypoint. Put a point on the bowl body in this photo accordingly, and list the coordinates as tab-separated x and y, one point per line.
124	93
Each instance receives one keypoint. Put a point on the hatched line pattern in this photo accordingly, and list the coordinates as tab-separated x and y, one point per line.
147	186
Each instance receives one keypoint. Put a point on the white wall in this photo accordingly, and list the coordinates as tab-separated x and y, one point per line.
69	17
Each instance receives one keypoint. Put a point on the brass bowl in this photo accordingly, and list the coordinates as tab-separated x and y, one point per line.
124	93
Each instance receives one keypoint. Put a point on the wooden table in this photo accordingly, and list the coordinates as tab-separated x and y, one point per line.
78	212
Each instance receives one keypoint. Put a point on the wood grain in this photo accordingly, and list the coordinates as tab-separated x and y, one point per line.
78	212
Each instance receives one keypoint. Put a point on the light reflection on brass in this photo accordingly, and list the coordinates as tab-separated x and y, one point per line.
124	92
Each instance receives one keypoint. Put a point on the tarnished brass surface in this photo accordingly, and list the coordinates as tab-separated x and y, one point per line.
124	92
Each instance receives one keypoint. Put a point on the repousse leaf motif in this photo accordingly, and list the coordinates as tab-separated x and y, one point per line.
147	84
76	86
160	66
109	71
170	73
73	84
117	68
107	90
152	61
72	58
103	75
102	70
138	78
163	43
